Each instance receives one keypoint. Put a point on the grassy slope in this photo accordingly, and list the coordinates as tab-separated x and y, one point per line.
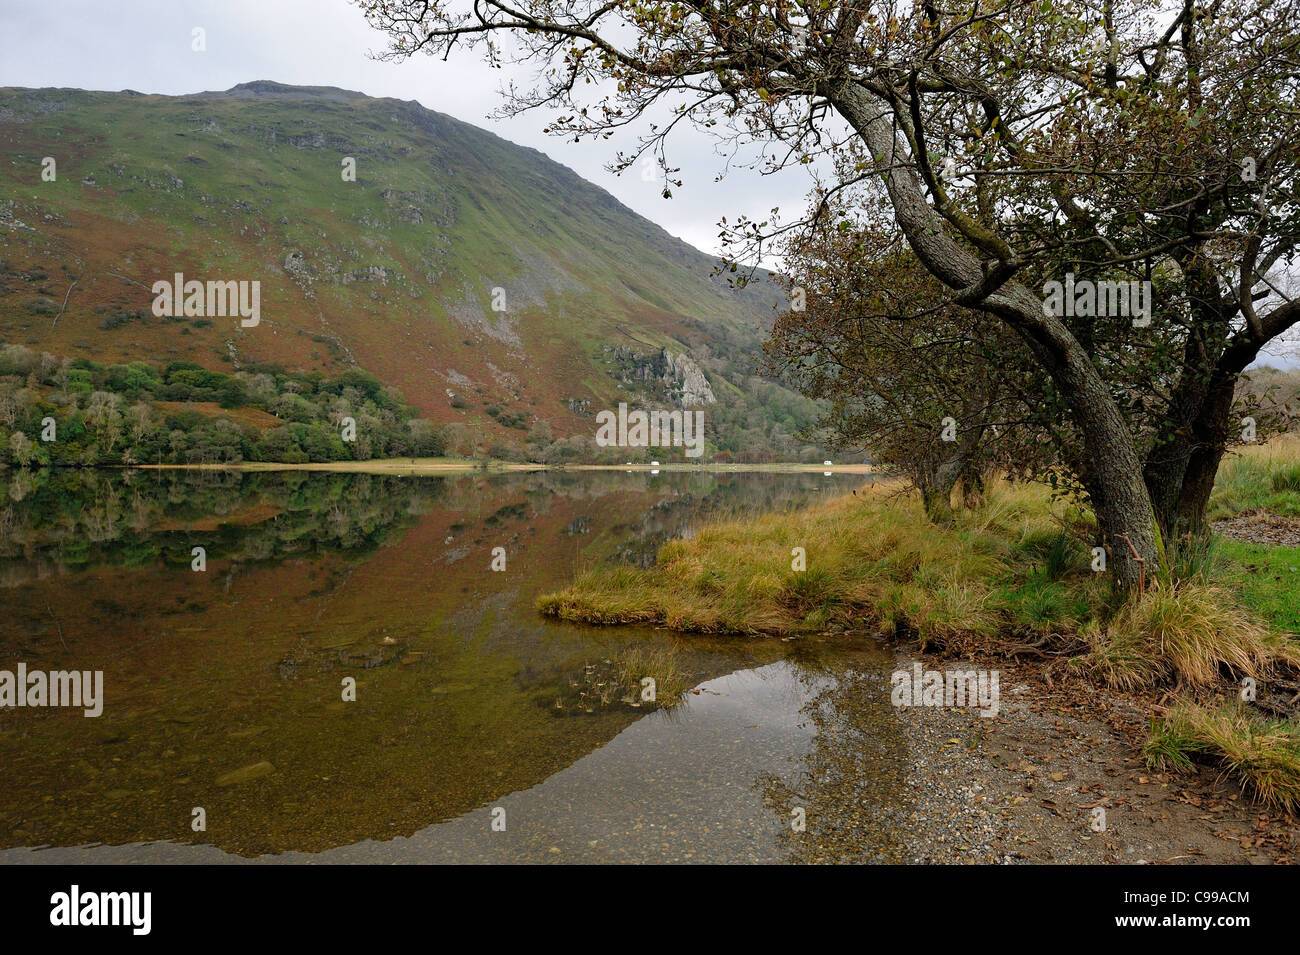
228	185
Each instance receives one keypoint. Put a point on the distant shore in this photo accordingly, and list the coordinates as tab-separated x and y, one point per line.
465	465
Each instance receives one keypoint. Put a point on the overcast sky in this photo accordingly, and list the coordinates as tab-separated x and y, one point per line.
145	45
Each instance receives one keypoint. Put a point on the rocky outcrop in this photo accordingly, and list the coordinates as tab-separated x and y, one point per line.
674	376
692	386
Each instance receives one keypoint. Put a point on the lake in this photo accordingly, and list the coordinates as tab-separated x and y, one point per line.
479	730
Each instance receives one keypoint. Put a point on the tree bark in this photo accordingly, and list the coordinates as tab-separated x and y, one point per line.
937	500
1180	471
972	486
1210	432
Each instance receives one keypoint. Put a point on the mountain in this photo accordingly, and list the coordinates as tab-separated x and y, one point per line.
498	292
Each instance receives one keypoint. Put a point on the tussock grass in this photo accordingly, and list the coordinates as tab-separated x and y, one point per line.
1286	477
616	681
607	598
1120	660
660	662
1190	633
1262	755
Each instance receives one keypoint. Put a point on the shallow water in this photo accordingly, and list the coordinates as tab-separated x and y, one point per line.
470	738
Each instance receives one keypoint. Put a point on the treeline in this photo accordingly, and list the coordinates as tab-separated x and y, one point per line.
55	411
753	421
1274	390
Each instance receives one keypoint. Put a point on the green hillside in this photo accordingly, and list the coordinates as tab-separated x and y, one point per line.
395	274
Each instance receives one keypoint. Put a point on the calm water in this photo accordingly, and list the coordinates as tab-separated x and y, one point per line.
223	688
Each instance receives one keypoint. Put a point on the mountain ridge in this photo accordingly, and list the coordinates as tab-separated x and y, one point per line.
401	272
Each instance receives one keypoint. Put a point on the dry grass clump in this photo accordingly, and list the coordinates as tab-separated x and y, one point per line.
1262	755
1191	633
618	681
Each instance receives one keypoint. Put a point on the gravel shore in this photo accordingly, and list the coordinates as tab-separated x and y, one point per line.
1024	786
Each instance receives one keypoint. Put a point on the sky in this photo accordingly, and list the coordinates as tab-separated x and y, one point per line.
146	45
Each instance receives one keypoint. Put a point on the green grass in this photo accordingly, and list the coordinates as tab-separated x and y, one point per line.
1259	478
1040	604
1285	479
1268	580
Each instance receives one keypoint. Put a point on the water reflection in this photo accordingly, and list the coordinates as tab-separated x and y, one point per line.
224	687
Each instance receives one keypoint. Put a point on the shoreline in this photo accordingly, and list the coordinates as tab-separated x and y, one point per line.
1023	787
401	466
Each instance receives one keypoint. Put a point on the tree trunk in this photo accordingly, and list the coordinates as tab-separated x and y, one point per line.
935	482
939	482
972	486
1211	430
1180	469
1119	496
1125	519
1165	469
938	503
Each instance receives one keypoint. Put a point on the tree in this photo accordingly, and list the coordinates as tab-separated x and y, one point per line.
426	439
14	403
1012	139
22	449
104	418
913	379
140	421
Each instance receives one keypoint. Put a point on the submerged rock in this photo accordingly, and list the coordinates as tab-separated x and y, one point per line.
246	774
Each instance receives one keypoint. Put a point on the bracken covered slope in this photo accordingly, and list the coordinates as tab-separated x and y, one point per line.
465	271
